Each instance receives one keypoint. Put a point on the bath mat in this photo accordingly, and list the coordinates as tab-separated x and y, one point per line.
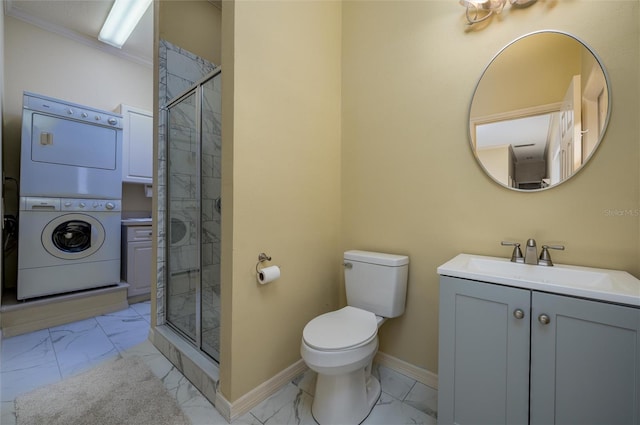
123	391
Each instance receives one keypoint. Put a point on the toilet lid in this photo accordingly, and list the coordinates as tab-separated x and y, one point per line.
340	329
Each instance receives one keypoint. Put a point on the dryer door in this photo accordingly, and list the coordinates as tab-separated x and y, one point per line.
56	140
73	236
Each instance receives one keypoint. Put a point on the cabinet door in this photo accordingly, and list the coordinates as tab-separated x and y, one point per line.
483	360
139	268
585	362
137	137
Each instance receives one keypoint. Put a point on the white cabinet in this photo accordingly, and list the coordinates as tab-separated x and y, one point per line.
512	355
136	259
137	145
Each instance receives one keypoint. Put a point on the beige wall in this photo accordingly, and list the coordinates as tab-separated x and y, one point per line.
193	25
134	200
410	183
281	174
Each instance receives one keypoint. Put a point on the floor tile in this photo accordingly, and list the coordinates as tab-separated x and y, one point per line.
297	411
393	383
246	419
271	406
391	411
143	309
125	328
7	413
80	346
307	382
423	398
27	362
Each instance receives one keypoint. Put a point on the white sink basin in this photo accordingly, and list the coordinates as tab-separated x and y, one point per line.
601	284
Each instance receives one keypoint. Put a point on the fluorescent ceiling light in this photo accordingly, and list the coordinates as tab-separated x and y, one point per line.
122	19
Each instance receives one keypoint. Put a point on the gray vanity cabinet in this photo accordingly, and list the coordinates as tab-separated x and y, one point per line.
516	356
585	362
483	375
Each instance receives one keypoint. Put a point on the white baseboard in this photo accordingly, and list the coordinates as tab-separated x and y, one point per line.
231	411
429	379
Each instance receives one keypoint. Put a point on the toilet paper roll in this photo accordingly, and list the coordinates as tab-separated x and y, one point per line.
268	274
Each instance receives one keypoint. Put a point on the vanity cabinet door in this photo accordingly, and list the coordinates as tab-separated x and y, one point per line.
585	362
483	353
136	259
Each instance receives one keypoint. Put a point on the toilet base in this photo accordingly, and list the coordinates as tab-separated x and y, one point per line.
345	399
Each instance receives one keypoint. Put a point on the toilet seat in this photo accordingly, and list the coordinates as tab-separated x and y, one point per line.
343	329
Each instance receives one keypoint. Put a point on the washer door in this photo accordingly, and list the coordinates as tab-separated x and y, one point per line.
73	236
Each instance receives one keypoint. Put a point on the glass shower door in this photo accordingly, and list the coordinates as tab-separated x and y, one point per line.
193	214
183	215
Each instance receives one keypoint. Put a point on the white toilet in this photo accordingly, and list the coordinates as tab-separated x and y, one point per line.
340	345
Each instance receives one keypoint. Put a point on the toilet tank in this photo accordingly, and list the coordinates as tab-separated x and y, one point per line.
376	282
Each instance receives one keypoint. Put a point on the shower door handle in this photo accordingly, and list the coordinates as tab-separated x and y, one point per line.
218	204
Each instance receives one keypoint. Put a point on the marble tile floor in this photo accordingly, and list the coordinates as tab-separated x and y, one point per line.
39	358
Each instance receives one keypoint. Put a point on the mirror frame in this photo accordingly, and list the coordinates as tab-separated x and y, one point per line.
600	137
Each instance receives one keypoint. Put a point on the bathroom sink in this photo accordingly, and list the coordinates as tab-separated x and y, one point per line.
556	275
601	284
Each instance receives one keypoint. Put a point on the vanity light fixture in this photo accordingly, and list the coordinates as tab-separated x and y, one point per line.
122	19
480	10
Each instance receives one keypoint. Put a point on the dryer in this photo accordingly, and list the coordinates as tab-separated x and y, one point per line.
67	244
69	150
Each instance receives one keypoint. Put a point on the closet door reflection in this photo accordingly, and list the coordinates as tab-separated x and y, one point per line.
183	215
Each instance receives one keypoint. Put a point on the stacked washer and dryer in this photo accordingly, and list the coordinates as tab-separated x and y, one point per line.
70	197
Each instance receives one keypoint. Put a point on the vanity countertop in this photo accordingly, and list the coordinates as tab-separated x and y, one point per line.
586	282
146	221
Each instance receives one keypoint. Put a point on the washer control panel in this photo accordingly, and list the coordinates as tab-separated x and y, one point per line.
90	205
70	204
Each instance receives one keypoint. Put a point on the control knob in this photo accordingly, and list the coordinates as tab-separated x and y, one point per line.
82	205
110	205
112	121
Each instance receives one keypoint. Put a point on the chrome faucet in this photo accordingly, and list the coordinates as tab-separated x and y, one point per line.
531	253
545	257
516	255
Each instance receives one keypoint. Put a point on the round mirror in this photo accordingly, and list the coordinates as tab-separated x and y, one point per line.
539	111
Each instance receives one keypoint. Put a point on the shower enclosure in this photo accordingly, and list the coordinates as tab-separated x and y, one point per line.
193	208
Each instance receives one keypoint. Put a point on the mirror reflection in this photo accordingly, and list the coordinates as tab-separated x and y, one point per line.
539	111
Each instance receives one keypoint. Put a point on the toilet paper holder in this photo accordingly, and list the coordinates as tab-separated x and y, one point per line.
261	259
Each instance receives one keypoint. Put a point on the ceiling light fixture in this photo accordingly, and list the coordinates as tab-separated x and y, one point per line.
122	19
480	10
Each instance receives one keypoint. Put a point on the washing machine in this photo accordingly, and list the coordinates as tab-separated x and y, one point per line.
67	244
